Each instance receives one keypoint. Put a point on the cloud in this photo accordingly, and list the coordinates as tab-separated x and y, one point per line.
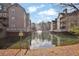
34	8
48	12
42	5
44	19
47	15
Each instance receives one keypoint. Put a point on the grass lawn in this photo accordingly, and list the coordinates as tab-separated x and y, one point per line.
68	39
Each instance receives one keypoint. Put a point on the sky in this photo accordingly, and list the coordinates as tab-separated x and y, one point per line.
42	11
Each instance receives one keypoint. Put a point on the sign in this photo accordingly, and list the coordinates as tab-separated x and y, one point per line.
20	33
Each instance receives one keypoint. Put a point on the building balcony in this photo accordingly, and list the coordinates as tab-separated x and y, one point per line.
62	25
1	27
63	20
4	23
14	29
3	15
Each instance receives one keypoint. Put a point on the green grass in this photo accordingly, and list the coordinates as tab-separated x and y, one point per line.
68	39
23	43
6	42
14	42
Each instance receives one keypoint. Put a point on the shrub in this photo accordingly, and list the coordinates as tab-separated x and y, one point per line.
75	30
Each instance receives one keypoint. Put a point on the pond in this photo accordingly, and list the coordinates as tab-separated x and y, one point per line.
45	40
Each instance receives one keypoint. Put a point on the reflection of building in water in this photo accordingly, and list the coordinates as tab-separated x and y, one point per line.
39	43
55	39
44	26
44	40
58	41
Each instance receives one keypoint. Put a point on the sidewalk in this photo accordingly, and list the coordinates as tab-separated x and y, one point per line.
72	50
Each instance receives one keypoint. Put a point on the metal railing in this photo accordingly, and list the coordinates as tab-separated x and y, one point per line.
14	29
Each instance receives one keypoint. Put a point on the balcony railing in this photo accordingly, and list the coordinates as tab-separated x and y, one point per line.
3	15
14	29
1	27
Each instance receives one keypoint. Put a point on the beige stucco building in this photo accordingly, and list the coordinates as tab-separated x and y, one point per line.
3	18
18	20
13	19
67	20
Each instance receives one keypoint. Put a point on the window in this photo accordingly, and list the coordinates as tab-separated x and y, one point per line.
13	11
5	8
13	18
5	14
0	7
63	27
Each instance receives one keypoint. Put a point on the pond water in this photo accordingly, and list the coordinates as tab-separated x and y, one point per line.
45	39
41	40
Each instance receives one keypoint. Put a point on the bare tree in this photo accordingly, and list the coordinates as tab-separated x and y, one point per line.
70	5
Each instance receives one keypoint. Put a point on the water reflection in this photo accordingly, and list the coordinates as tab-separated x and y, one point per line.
57	40
41	40
38	43
46	40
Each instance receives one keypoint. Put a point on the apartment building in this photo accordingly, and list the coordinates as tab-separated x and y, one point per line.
53	25
28	22
13	19
48	24
66	20
3	18
18	20
34	27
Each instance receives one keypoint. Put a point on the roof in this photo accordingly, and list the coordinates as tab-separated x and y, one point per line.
69	14
16	4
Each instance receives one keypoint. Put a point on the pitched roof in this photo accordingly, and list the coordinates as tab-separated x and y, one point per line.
16	4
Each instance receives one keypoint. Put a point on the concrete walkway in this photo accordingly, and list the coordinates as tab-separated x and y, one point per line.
71	50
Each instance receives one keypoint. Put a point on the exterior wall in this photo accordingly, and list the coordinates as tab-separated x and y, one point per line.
3	18
78	19
64	24
33	27
13	19
53	25
28	23
58	22
5	7
17	19
69	20
48	25
73	20
2	33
